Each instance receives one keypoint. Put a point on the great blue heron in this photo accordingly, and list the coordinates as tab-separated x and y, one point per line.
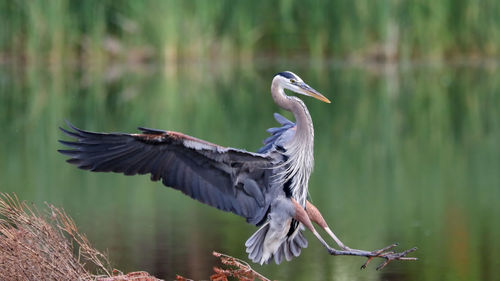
267	188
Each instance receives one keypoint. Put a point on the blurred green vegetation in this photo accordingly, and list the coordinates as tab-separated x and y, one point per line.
402	154
98	30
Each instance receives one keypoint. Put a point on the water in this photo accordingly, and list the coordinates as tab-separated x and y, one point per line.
408	154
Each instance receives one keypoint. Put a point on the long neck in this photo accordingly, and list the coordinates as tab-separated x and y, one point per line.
300	149
305	129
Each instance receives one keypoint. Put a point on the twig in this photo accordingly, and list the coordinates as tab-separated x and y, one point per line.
242	270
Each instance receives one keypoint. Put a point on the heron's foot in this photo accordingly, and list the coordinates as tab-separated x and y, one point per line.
391	256
384	253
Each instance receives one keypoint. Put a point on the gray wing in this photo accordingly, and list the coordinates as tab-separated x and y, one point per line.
226	178
279	135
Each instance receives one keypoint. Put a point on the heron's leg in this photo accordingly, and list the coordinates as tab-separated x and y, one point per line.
316	217
302	216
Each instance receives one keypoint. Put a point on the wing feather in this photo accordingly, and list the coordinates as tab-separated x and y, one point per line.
279	135
212	174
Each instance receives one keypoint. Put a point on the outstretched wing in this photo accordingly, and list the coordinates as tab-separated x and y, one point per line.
279	135
226	178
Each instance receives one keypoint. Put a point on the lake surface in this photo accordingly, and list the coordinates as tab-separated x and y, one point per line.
404	153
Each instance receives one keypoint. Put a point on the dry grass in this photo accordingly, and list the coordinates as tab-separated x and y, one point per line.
44	245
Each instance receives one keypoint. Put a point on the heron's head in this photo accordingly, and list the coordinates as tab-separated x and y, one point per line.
291	81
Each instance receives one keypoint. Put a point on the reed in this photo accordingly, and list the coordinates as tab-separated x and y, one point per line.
97	31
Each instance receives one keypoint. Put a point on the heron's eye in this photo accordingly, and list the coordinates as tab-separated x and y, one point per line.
292	81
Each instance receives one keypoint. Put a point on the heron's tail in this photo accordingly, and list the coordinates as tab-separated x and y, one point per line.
289	248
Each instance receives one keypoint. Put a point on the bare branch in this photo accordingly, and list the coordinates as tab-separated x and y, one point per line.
383	253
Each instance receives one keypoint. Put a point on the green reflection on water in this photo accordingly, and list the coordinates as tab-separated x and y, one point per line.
407	154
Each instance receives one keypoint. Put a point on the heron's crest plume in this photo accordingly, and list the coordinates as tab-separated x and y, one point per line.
289	75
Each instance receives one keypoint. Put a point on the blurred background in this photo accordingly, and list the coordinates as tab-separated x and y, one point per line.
408	151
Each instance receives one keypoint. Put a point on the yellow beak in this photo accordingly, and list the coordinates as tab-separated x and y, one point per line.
308	90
